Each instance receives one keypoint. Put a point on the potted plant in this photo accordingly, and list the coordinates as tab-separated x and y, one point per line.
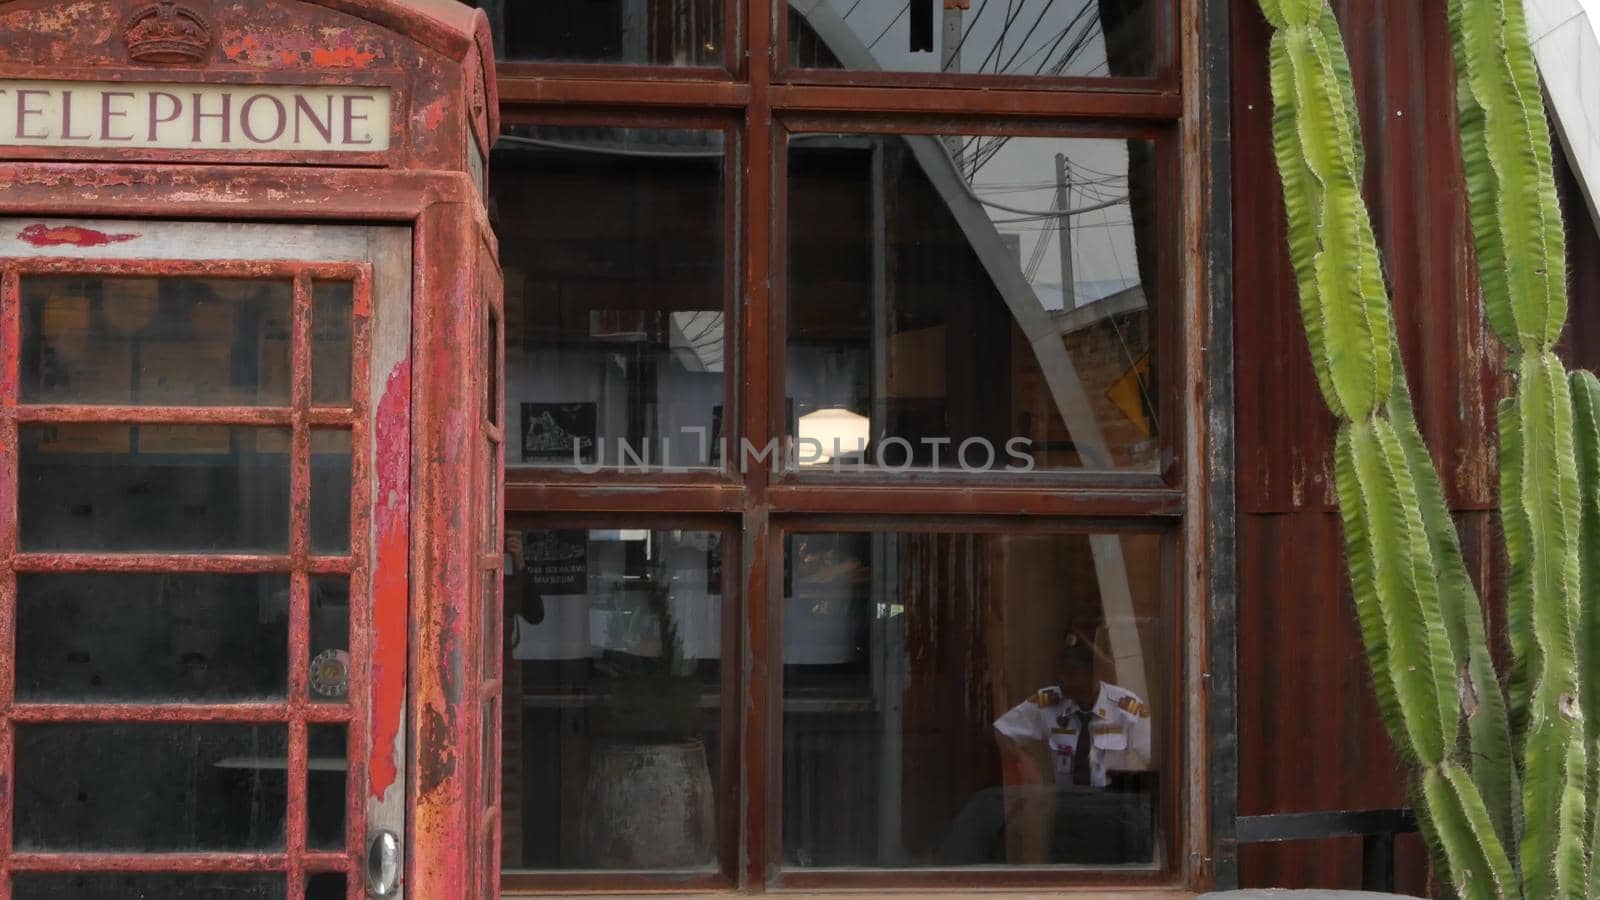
648	802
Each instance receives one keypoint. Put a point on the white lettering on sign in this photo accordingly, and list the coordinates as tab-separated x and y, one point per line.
324	119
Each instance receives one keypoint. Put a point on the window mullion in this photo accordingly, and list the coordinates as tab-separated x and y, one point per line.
761	367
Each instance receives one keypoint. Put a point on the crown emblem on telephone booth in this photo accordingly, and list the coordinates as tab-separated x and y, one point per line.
167	32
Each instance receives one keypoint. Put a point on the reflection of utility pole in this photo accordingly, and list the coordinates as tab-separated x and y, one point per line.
636	33
950	61
1069	299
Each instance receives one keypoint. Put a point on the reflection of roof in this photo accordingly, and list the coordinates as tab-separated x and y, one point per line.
697	340
1566	42
1084	292
1100	309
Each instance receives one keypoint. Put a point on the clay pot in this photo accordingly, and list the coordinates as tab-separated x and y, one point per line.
649	806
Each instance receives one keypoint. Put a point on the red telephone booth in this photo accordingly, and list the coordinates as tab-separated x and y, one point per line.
249	464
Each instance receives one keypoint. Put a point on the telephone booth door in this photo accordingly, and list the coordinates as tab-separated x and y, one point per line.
206	577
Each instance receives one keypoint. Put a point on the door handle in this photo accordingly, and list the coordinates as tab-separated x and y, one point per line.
383	864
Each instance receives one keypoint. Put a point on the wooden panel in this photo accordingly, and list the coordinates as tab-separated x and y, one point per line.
1302	680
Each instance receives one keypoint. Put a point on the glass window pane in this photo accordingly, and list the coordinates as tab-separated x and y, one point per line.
325	886
94	638
164	488
327	766
199	787
941	317
155	341
491	367
612	242
124	885
488	761
627	32
331	329
973	700
330	491
329	680
616	646
1040	38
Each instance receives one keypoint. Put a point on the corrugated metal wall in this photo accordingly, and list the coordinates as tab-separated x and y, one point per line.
1309	734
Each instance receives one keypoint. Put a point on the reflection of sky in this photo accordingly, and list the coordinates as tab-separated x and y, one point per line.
1039	36
1021	173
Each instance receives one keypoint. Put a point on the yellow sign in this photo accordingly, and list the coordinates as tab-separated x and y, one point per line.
1128	392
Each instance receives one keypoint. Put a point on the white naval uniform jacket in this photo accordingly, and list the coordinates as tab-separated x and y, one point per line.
1120	730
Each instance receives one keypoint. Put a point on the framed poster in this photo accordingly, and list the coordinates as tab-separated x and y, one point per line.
560	432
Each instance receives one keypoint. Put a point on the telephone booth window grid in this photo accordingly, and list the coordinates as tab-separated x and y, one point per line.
296	731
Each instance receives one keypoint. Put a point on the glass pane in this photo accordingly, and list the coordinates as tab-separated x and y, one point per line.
616	646
628	32
612	242
199	787
940	316
325	886
491	606
174	638
489	760
329	681
1075	38
330	491
326	768
491	507
127	885
164	488
491	368
155	341
973	700
331	329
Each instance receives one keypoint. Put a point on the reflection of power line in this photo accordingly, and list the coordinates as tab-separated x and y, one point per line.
1022	45
1047	213
1047	223
1018	187
891	24
610	151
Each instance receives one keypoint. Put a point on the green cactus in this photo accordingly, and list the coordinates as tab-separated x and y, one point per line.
1507	776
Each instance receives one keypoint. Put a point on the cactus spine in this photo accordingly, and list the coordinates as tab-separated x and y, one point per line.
1508	778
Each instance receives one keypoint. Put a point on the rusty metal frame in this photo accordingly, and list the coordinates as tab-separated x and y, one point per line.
296	861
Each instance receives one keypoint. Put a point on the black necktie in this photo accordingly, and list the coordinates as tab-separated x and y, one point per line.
1080	753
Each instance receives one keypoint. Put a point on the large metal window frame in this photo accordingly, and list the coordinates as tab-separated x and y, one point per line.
1184	109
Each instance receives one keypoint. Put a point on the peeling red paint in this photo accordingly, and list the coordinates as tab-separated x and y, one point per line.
343	58
433	114
42	235
242	50
390	594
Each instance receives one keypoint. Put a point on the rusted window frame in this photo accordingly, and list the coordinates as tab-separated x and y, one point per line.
1183	108
296	711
